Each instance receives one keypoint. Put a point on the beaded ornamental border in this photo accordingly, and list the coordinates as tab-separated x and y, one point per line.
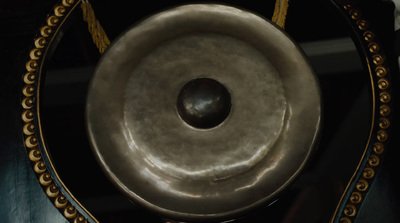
371	160
45	172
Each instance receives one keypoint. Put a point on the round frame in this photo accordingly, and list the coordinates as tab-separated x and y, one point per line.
370	163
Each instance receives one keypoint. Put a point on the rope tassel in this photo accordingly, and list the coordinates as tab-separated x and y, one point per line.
280	11
99	36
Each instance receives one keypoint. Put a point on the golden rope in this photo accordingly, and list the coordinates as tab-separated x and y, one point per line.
280	11
99	36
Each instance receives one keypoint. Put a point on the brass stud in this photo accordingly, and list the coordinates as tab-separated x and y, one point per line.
27	116
39	167
52	20
369	36
347	7
27	103
374	161
355	197
34	155
29	129
382	136
384	123
368	173
373	47
46	31
59	11
31	142
80	219
350	210
60	202
384	97
384	110
68	2
35	54
379	148
29	78
354	14
31	65
383	84
345	220
362	185
45	179
381	71
70	212
362	24
28	91
377	59
40	42
52	191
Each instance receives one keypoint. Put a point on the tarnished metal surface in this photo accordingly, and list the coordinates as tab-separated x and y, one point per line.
175	169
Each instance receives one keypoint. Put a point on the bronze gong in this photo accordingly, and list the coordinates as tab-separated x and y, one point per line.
203	111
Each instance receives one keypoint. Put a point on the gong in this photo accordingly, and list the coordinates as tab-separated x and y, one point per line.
203	111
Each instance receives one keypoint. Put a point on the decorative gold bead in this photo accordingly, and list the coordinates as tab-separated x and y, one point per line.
354	14
362	185
45	179
80	219
383	84
369	36
35	54
27	103
28	90
59	11
68	2
368	173
31	142
374	161
70	212
381	71
384	110
40	42
345	220
347	7
384	123
31	65
378	59
350	210
382	136
60	202
45	31
385	97
373	48
52	20
29	129
27	116
362	24
355	198
52	191
29	78
379	148
34	155
39	167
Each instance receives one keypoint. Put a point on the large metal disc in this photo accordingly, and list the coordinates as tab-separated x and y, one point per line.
203	111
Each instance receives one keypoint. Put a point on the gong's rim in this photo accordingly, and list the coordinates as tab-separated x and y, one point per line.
179	194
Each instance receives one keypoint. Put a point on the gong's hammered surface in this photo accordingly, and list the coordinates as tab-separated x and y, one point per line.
171	167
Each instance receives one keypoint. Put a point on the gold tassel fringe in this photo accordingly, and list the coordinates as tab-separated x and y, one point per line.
280	11
99	36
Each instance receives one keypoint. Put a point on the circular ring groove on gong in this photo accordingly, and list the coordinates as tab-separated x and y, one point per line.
162	163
